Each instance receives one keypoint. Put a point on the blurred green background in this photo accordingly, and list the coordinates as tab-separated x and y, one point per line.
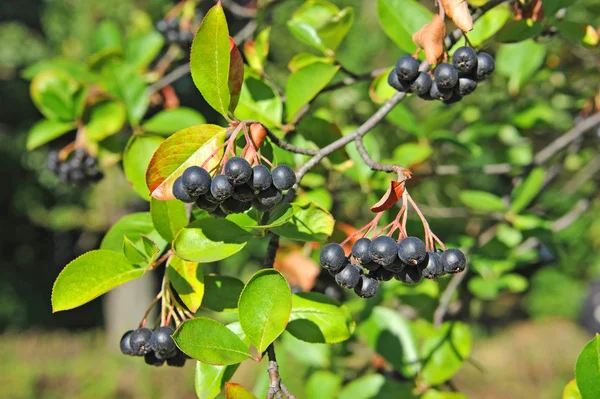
523	298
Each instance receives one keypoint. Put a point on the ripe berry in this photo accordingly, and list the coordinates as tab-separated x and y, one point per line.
396	83
261	178
396	266
445	76
162	343
181	193
464	59
383	250
407	68
333	258
284	177
204	203
218	213
349	276
162	26
243	193
411	251
371	266
485	66
258	206
453	99
125	343
439	94
140	341
231	205
433	266
410	275
196	181
360	251
422	84
453	261
220	188
269	197
366	287
237	170
153	360
465	86
52	161
382	274
178	360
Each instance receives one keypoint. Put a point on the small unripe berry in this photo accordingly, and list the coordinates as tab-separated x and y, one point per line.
410	275
411	251
348	277
162	343
181	193
261	178
125	344
284	177
445	76
485	65
464	59
465	86
433	266
220	188
438	93
407	68
366	287
196	180
237	170
383	250
453	260
360	251
269	197
400	85
422	84
140	341
333	258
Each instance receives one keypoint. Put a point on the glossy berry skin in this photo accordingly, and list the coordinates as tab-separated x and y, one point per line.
181	193
453	261
446	76
162	343
221	188
231	205
349	276
153	360
382	274
203	203
396	266
269	197
383	250
360	251
465	86
243	193
400	85
464	59
433	266
261	178
367	287
196	181
485	66
422	84
407	68
333	258
237	170
439	94
140	341
125	344
411	251
410	275
284	177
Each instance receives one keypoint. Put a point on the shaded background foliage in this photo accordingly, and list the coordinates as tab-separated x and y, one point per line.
519	275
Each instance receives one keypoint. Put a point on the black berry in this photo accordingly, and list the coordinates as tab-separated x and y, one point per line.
243	193
258	206
125	343
382	274
411	251
407	68
445	76
366	287
140	341
465	86
261	178
396	266
237	170
396	83
284	177
231	205
218	213
152	359
453	261
333	258
220	188
383	250
485	66
454	98
349	276
178	360
162	343
196	181
52	161
410	275
269	197
181	193
360	251
438	93
464	59
204	203
422	84
371	266
433	266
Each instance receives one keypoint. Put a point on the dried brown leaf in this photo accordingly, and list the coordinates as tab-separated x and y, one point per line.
391	196
431	39
458	12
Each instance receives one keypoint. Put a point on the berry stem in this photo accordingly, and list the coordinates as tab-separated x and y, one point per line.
152	304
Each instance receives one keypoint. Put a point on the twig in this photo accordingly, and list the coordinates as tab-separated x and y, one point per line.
276	386
440	311
369	161
238	10
589	171
570	217
281	143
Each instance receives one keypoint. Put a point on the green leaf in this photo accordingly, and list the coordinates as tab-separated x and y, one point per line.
136	157
379	90
306	353
142	49
482	201
57	95
411	154
484	288
318	318
514	282
256	50
259	101
490	23
107	36
132	226
304	84
389	334
209	60
106	118
168	217
323	384
191	146
74	69
188	281
277	217
132	253
519	61
309	223
210	380
578	33
571	391
509	236
210	342
552	6
322	132
89	276
307	34
150	248
210	240
376	386
335	29
264	307
301	60
124	82
444	352
528	222
516	31
527	190
236	391
435	394
169	121
587	369
221	293
400	19
45	131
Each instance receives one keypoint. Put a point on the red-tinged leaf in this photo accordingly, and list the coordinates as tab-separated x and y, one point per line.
533	10
236	74
187	147
458	12
392	195
431	39
236	391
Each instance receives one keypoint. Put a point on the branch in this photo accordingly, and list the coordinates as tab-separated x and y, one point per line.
276	386
372	164
238	10
281	143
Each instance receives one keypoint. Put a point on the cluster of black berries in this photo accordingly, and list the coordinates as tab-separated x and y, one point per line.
78	168
170	29
384	259
239	188
156	346
451	81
